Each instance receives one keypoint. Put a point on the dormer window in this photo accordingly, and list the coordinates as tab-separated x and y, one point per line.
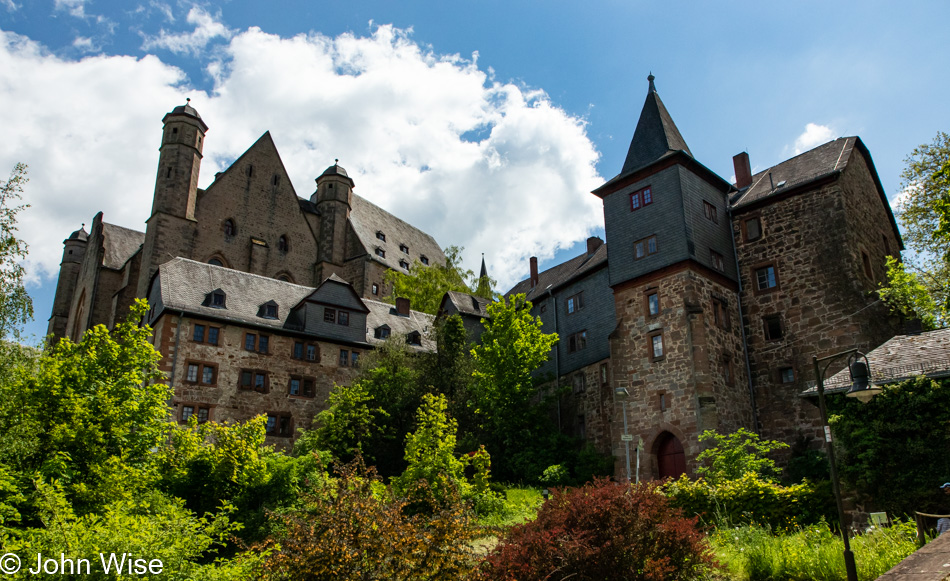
382	332
268	310
404	264
414	338
282	244
404	248
215	299
229	228
424	259
380	235
380	252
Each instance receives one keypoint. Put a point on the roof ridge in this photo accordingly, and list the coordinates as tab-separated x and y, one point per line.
242	272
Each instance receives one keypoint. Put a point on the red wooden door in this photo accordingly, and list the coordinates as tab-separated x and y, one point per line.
670	456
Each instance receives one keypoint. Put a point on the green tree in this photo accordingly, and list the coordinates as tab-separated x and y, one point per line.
920	286
16	307
347	424
425	286
512	416
732	456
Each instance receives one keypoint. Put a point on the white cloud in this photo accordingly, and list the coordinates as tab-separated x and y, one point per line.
207	28
486	165
75	8
84	44
10	4
813	136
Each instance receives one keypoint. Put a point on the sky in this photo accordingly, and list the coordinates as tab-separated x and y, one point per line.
484	123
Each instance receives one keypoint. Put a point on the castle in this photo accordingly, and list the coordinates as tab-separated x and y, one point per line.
700	311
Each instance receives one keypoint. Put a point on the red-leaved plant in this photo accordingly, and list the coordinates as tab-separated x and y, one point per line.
603	531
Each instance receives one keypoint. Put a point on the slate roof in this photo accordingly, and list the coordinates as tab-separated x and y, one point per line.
561	274
467	304
119	244
655	136
900	358
186	283
80	234
385	314
367	219
822	161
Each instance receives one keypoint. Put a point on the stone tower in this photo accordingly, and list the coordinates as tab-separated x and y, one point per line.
170	228
677	348
73	252
334	201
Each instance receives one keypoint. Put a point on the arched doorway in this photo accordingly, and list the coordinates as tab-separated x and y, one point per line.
670	458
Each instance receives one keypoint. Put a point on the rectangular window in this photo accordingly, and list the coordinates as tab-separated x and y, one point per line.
867	265
786	375
575	303
766	278
887	245
213	335
710	212
186	412
298	350
603	374
663	401
203	414
375	289
247	379
279	425
355	359
641	198
580	383
308	387
311	352
752	228
294	386
260	381
250	342
772	327
645	247
717	262
192	375
580	427
656	346
720	314
725	367
207	374
199	335
577	342
343	318
344	358
329	315
653	304
254	379
263	343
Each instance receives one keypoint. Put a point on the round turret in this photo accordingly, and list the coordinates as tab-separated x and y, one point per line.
333	184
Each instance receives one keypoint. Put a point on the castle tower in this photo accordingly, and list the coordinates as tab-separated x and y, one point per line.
73	252
170	228
677	348
334	200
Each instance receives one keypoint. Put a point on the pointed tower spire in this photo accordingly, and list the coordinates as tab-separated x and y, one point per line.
656	134
484	282
484	271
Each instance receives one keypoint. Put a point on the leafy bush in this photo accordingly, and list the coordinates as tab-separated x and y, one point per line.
750	499
358	530
555	475
603	531
753	553
736	454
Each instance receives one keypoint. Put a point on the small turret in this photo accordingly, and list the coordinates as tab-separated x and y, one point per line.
334	200
74	249
176	185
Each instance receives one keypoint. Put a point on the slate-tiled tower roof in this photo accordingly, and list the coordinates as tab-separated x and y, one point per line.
655	136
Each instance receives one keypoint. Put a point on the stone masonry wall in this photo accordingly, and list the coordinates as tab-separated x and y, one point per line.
687	390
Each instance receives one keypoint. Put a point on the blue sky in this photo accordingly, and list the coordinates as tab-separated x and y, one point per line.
484	123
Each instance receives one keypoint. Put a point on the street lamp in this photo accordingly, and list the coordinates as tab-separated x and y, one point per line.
863	390
622	393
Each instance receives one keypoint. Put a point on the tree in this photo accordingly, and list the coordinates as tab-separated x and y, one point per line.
920	286
425	286
734	455
16	307
513	419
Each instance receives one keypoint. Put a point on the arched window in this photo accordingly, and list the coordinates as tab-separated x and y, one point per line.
670	458
215	262
282	244
285	278
229	228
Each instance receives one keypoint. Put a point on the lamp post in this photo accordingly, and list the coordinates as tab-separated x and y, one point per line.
864	390
622	393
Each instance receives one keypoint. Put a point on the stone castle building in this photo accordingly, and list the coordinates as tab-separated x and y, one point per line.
260	300
709	299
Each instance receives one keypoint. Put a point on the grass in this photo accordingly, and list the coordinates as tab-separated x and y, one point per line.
814	553
520	505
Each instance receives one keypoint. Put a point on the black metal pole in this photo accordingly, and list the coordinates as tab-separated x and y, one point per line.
849	564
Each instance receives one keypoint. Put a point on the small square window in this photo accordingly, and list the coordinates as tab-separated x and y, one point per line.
203	415
786	375
580	383
199	334
343	318
404	248
641	198
186	412
645	247
772	326
344	358
577	342
217	300
766	278
380	236
753	229
329	315
270	311
380	252
404	264
424	259
575	303
250	342
192	374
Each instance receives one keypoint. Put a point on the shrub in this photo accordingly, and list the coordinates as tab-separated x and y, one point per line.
555	475
602	531
736	454
750	499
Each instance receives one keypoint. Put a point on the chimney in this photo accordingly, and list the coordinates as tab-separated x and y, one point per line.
743	170
593	243
534	271
402	307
